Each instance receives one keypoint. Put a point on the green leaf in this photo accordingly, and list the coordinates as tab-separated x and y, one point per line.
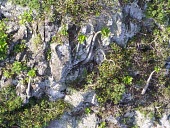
105	31
32	73
157	69
154	13
81	38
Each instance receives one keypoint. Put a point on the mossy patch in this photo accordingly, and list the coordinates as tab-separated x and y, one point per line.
37	113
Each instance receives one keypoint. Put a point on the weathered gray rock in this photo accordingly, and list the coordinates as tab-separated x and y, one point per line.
12	11
67	121
59	57
165	121
20	33
55	91
4	82
134	11
112	119
145	121
70	59
49	87
42	66
78	98
142	121
21	91
37	90
77	118
89	121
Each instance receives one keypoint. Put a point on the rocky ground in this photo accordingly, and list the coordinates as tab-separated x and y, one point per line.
60	56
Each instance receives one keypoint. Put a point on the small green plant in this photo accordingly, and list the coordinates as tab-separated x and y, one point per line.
26	17
20	47
87	110
127	80
157	69
32	73
7	74
151	115
17	67
135	126
61	35
102	125
63	31
113	93
81	38
3	41
117	93
105	32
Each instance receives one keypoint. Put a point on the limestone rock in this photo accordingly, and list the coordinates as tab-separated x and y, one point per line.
59	57
5	82
20	34
55	91
66	121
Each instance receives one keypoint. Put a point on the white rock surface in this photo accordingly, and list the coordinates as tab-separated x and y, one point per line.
66	121
145	122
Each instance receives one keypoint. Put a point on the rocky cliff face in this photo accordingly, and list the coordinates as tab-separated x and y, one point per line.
61	58
66	56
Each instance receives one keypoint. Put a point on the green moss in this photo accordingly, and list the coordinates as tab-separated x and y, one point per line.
78	10
159	10
9	103
36	114
41	113
26	17
3	41
109	82
17	67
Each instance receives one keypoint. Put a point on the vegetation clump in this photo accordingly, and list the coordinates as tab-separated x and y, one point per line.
3	41
126	70
159	10
37	113
26	17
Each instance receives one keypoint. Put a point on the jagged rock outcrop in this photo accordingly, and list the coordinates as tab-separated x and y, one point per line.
69	59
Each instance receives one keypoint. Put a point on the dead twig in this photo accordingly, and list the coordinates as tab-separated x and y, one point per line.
28	88
147	83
